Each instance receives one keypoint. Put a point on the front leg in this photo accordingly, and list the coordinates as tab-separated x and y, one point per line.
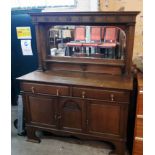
119	148
32	136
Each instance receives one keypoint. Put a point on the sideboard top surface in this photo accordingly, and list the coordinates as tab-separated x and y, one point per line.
79	79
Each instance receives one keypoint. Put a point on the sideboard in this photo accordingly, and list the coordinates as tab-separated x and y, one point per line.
77	94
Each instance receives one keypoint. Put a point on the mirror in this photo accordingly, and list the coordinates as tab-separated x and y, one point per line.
106	42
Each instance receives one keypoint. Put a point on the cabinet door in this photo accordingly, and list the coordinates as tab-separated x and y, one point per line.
105	118
42	110
72	114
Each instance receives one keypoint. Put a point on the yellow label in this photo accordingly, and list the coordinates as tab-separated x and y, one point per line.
23	32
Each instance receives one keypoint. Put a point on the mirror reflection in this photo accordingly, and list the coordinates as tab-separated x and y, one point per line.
87	41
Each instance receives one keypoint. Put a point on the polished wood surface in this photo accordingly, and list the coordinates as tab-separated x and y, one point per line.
72	113
101	112
138	132
45	89
119	96
138	147
83	97
139	127
80	79
38	106
84	111
109	17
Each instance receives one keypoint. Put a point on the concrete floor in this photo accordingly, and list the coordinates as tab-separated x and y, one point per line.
54	145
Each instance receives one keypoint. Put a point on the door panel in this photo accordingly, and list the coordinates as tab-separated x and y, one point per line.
42	110
103	118
72	113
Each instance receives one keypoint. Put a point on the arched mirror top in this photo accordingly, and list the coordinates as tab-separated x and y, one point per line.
101	42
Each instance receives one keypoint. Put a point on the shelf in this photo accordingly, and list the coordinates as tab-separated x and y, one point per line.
85	61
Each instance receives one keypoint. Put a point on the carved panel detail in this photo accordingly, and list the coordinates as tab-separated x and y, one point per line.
71	105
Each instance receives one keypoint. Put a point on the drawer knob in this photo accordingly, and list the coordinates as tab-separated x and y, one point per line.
32	89
57	92
59	117
83	94
112	97
55	116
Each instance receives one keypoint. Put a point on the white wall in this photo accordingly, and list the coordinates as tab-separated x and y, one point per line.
82	5
94	5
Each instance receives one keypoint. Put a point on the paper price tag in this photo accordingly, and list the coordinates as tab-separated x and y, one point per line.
26	47
23	32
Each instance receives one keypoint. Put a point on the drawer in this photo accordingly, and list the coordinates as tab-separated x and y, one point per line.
138	147
140	104
139	127
57	90
118	96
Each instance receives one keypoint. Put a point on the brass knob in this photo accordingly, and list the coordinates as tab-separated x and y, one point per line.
57	92
32	89
59	117
55	116
83	94
112	97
